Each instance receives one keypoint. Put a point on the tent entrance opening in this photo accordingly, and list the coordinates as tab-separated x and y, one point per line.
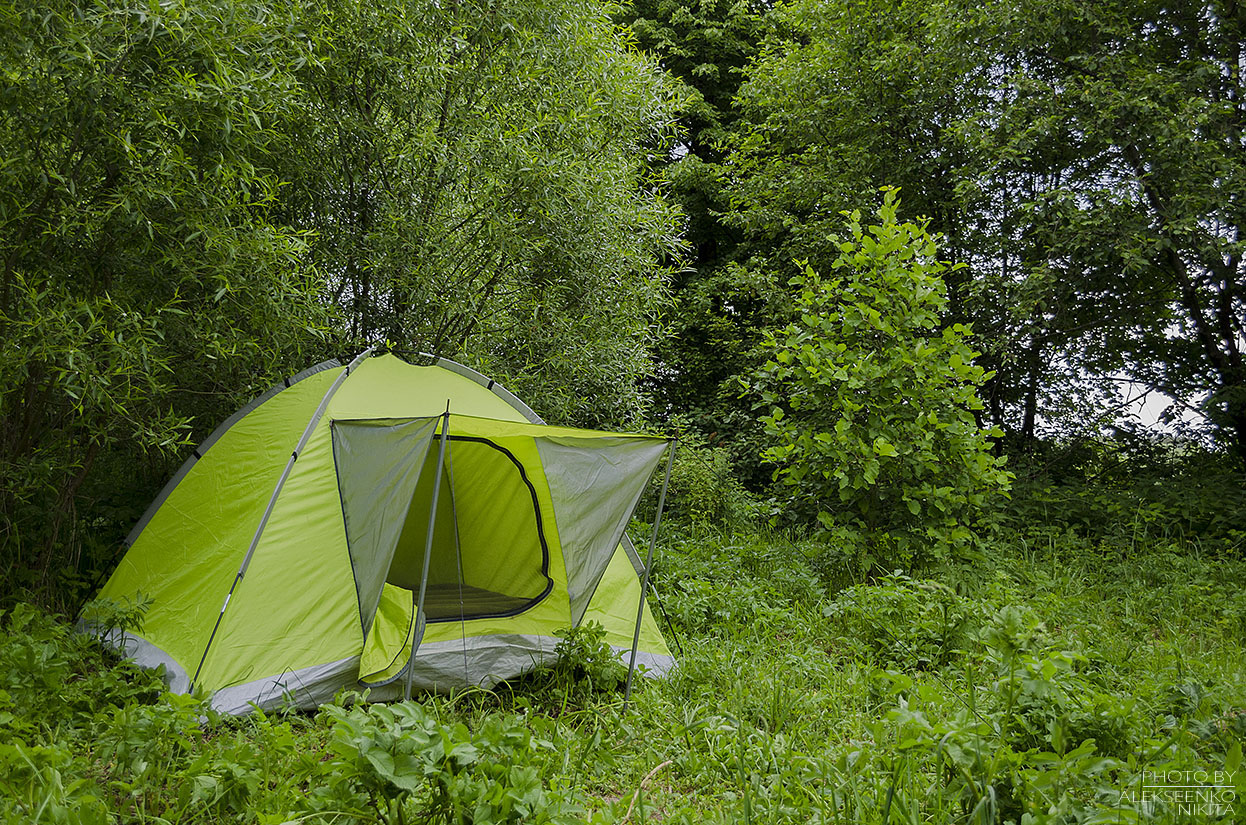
489	555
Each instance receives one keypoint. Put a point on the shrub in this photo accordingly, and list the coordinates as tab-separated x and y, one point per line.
586	667
704	490
401	763
870	404
56	677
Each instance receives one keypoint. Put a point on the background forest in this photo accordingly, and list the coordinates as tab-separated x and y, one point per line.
895	272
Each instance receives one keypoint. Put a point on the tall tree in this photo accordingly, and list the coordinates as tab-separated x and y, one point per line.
141	270
714	316
474	177
1084	160
1132	112
197	197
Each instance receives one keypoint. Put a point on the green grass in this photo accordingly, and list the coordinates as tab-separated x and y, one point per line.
1045	682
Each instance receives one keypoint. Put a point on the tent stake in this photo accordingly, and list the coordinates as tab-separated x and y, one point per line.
644	580
428	553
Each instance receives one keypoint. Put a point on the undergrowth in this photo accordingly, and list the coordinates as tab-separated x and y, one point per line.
1055	679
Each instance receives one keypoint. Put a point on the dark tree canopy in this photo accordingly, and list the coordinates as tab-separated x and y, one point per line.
1083	161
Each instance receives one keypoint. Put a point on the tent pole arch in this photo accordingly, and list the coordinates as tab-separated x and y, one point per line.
272	500
486	382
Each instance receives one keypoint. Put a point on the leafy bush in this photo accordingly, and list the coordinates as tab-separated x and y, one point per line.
1042	695
704	490
586	668
57	677
403	764
1125	492
1037	743
583	652
870	404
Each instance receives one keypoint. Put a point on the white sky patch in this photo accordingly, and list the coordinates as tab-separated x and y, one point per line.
1148	405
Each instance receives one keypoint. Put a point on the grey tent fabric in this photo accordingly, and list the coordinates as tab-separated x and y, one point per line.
595	485
378	464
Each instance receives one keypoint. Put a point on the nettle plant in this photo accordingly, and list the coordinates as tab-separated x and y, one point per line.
871	399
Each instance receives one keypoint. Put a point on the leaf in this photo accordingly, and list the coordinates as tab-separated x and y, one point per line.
381	761
883	447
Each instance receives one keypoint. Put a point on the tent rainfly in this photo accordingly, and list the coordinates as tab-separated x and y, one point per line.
387	526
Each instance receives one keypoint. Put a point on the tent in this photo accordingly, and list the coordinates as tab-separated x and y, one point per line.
390	526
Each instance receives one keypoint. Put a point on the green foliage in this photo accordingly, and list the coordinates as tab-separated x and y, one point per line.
401	761
840	100
712	319
871	405
1120	494
55	676
586	670
1052	707
705	44
901	623
1049	682
583	652
142	272
716	322
704	491
38	785
473	173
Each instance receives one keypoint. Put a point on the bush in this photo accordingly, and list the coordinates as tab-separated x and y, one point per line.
401	763
704	490
58	678
586	668
1124	492
870	404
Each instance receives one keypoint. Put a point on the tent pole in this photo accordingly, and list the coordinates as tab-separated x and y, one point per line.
644	580
418	634
272	500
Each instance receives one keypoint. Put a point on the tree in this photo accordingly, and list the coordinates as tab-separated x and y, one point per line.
839	100
141	271
711	321
474	177
870	405
198	198
1131	114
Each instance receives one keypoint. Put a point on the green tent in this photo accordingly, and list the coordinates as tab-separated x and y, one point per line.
311	543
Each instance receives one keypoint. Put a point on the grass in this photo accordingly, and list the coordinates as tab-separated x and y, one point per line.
1048	681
